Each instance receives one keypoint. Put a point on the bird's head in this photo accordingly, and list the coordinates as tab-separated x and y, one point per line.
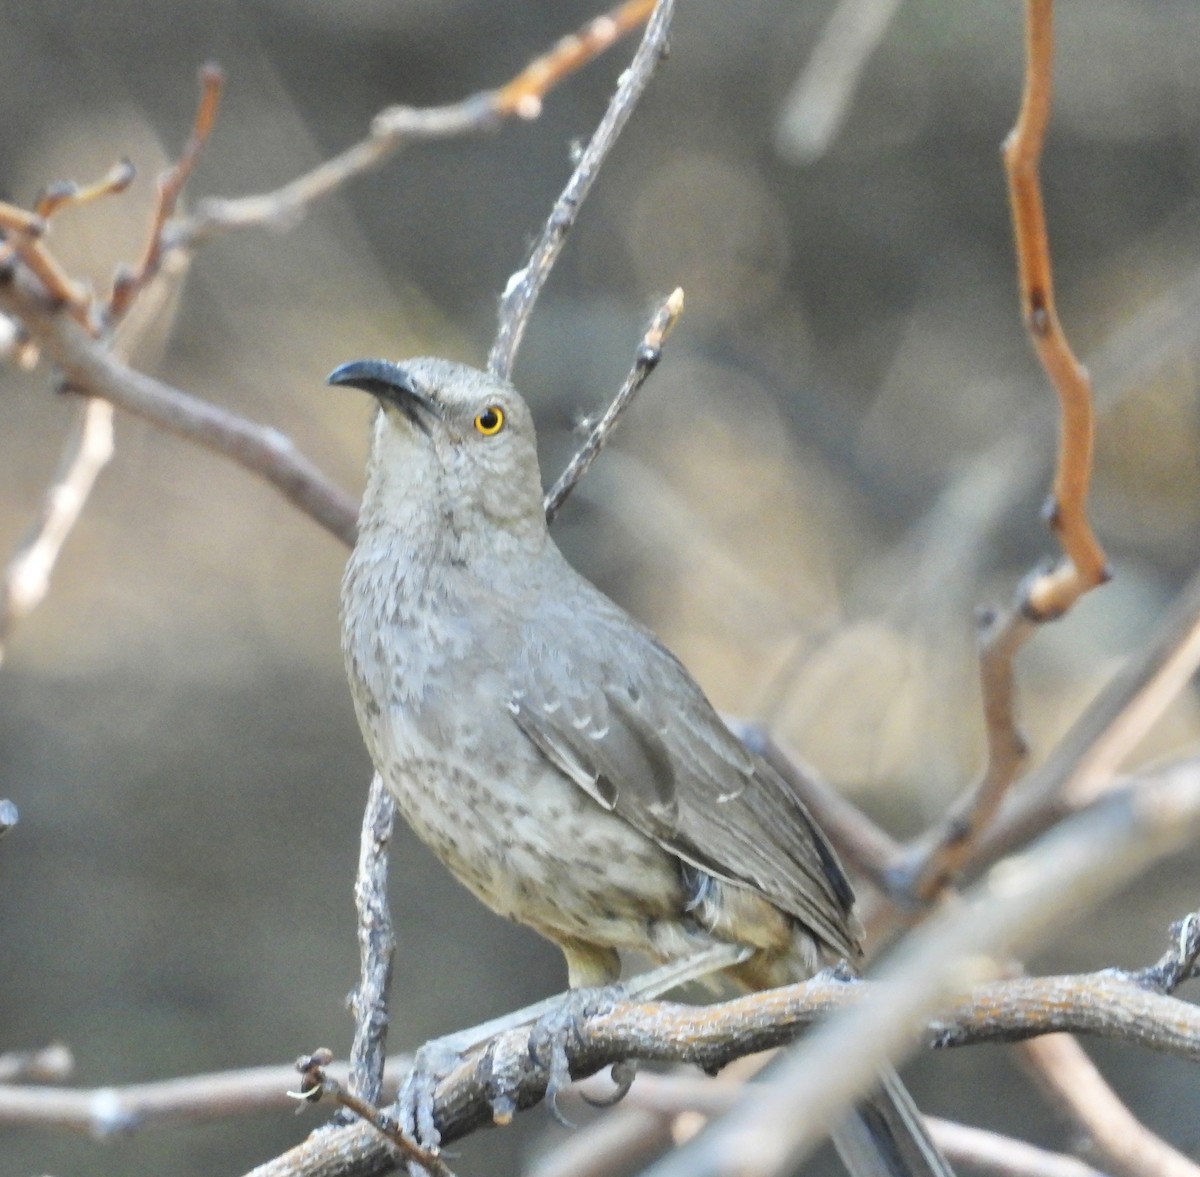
450	438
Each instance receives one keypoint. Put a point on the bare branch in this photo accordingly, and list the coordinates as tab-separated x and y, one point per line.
649	352
316	1084
400	126
1052	593
649	1120
376	946
263	451
130	283
67	194
526	284
1108	1004
932	861
1080	767
89	445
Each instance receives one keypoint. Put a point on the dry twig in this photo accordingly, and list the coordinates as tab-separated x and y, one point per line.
1106	1004
516	304
400	126
316	1084
87	450
649	352
89	444
934	860
652	1112
129	283
33	311
1050	594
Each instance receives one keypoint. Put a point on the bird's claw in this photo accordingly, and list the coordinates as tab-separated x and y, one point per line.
622	1075
414	1105
551	1034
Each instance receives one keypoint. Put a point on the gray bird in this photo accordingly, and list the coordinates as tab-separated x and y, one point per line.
550	750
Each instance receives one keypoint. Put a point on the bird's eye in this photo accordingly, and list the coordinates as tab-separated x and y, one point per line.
490	421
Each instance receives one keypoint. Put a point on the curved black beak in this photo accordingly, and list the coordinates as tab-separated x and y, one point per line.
387	382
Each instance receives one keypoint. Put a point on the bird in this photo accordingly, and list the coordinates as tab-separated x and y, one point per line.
551	751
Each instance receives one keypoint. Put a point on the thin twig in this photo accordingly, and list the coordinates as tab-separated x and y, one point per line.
526	284
642	1129
400	126
316	1084
1051	594
22	234
89	444
523	95
649	353
933	861
68	194
376	946
49	1064
1082	764
129	283
1003	1156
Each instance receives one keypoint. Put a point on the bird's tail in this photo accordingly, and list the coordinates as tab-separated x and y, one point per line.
886	1136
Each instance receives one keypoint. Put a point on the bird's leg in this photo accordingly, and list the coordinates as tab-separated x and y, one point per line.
553	1021
551	1033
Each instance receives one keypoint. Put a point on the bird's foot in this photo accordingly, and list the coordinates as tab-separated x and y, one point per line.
562	1027
414	1106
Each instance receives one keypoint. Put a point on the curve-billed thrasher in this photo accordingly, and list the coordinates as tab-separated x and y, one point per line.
552	753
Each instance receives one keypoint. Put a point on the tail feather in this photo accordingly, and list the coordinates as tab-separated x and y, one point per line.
886	1136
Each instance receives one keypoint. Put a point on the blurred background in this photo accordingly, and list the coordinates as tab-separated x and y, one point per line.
842	454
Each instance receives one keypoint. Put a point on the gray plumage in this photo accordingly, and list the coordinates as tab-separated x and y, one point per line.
560	761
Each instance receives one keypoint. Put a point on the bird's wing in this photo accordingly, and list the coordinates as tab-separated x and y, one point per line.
618	714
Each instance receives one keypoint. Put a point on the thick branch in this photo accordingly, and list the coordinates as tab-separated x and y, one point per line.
1106	1004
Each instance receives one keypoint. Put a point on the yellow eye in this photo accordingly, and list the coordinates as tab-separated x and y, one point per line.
490	421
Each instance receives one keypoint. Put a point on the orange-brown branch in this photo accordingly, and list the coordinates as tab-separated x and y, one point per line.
129	283
1051	594
523	95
